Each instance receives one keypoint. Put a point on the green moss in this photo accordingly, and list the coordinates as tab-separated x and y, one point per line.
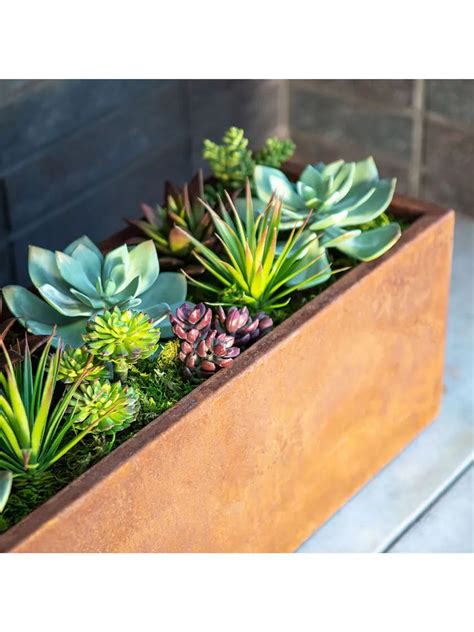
159	385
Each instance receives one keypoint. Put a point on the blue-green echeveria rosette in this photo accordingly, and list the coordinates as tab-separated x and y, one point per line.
80	282
342	196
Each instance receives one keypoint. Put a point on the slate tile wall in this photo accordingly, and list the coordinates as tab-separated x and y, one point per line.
78	156
421	131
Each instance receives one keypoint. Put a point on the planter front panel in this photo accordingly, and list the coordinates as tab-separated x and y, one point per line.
266	451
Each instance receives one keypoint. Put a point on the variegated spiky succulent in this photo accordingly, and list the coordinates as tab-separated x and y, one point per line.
74	362
251	271
245	328
122	337
182	208
81	281
104	406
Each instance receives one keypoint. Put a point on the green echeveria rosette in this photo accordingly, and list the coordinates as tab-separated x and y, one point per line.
75	361
104	407
122	338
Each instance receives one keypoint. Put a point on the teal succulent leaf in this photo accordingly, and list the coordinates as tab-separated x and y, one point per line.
78	283
87	244
165	296
43	268
317	273
27	306
269	180
117	258
340	195
70	333
334	236
74	274
144	265
63	302
371	244
373	206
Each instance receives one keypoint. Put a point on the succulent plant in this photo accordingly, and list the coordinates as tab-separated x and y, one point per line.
340	195
81	281
231	163
275	152
191	321
182	208
207	355
347	199
75	361
122	337
34	416
251	272
101	406
245	328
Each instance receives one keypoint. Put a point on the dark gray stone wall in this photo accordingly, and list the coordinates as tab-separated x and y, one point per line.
76	157
421	131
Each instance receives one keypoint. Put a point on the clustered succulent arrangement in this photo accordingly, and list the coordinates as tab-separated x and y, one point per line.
205	349
240	252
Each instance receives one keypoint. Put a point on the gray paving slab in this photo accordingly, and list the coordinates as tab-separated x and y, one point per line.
448	526
405	488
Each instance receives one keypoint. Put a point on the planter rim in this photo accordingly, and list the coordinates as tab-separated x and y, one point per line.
426	216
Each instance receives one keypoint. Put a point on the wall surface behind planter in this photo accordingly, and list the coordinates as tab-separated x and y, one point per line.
78	156
421	131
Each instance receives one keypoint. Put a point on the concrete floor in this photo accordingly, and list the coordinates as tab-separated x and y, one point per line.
423	501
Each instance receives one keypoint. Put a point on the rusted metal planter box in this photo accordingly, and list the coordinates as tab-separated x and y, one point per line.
260	455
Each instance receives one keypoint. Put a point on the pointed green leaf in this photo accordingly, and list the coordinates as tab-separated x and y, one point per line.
6	480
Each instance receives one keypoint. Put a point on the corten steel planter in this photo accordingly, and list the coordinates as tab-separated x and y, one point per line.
263	453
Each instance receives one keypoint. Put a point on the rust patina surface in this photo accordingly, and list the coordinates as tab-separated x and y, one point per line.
264	452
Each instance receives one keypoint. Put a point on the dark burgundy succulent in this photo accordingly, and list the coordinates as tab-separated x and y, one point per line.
203	357
245	328
191	322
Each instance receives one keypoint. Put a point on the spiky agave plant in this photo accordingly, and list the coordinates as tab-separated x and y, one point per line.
252	272
34	418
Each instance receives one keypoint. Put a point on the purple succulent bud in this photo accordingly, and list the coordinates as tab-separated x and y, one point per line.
240	324
189	317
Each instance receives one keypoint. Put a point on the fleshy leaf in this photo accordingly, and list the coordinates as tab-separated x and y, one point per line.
70	333
43	268
171	287
89	260
319	266
63	302
85	242
335	235
371	244
25	305
268	180
144	264
73	273
117	257
374	206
